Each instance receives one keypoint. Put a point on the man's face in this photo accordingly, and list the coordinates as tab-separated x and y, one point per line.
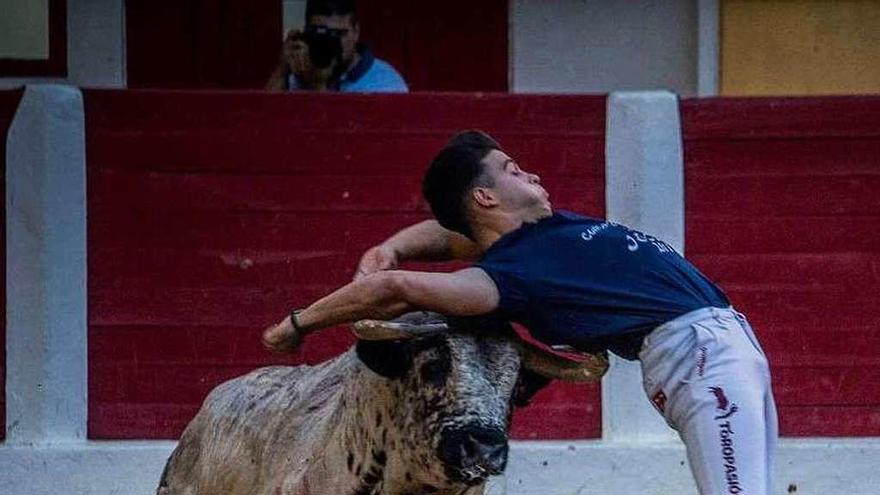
515	189
344	24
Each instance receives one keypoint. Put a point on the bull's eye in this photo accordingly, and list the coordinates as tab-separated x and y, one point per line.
434	372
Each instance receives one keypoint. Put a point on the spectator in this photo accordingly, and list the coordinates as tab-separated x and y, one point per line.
327	55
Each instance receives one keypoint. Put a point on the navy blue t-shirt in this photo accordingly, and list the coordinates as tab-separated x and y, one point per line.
593	284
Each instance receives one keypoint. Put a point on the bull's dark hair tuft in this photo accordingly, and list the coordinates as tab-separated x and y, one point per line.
387	358
456	169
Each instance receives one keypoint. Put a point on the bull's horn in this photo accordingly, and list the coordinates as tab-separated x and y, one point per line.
552	366
408	326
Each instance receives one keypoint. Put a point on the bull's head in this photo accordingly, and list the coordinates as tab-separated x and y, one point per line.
459	385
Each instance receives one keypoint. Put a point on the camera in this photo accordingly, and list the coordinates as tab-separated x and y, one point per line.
325	45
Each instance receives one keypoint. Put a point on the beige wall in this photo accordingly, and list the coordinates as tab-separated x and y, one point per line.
800	47
24	29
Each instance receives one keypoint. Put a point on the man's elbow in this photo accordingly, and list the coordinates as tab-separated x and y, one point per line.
389	289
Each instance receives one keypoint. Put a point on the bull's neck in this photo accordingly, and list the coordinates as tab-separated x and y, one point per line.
363	412
370	451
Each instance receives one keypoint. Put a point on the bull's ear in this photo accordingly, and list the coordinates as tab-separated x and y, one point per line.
388	358
528	384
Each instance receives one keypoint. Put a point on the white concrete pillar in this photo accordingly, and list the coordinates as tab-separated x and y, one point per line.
644	189
46	367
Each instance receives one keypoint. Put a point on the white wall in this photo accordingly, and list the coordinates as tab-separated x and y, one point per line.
95	46
294	12
598	46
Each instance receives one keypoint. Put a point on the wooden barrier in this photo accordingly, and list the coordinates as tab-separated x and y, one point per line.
211	214
783	212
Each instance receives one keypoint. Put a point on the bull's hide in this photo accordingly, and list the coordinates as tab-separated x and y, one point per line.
427	416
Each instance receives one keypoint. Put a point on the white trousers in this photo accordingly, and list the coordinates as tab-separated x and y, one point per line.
707	375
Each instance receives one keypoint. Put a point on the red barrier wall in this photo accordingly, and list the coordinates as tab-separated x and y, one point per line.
211	214
783	211
8	104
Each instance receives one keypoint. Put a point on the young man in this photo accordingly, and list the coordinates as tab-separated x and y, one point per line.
591	284
357	71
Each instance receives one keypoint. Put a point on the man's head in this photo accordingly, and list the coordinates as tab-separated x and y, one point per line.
338	16
473	182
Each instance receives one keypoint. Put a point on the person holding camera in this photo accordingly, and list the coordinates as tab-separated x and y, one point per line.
327	56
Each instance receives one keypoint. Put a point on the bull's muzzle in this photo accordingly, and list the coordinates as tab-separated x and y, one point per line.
472	453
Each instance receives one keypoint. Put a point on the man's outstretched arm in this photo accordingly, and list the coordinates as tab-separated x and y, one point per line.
424	241
388	294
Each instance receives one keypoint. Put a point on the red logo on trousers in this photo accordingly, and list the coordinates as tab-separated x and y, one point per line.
725	408
659	401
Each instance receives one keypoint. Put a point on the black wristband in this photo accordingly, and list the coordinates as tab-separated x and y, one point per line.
293	321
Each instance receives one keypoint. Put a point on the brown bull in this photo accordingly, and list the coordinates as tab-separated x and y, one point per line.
425	415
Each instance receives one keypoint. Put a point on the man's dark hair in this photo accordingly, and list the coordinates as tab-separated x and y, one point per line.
330	8
456	170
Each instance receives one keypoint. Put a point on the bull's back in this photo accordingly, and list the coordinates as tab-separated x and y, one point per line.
250	428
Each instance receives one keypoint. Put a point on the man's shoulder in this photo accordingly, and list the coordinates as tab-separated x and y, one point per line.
382	67
382	76
372	74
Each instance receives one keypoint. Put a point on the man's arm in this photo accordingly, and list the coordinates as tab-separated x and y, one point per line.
278	78
385	295
294	59
424	241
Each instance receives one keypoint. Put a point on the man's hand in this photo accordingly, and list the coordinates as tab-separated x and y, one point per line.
377	258
295	52
282	337
295	60
385	295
